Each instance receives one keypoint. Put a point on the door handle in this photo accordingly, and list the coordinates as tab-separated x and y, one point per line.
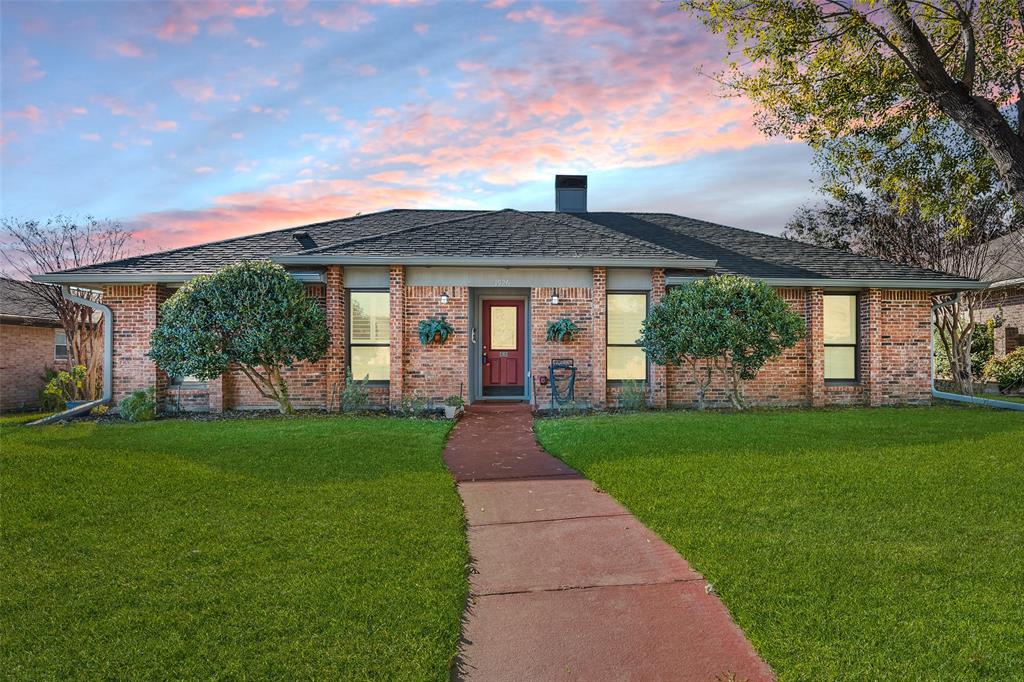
484	359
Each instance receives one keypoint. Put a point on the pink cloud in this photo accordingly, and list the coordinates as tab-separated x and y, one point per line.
344	18
30	113
162	126
126	48
421	28
203	170
296	203
201	92
188	16
253	42
25	66
91	137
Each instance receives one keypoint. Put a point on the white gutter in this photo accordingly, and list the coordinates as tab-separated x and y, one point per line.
974	400
507	262
108	361
1002	284
98	278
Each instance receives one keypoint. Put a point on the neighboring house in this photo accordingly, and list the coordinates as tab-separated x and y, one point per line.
500	276
31	340
1005	302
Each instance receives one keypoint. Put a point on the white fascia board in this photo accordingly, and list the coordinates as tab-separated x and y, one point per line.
471	261
97	279
822	283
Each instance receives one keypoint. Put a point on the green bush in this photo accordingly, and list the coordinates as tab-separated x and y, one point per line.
1008	371
633	397
139	406
253	315
355	397
734	324
982	348
67	386
48	401
454	401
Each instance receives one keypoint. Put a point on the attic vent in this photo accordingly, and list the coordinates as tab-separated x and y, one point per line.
304	240
571	193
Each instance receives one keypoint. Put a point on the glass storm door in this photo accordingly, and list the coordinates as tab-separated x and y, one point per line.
503	348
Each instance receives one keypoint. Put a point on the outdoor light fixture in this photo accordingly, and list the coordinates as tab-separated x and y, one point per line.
554	297
444	298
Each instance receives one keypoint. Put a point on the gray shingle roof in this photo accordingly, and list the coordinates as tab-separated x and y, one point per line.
501	234
510	234
21	300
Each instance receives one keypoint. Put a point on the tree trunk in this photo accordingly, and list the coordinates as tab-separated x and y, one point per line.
976	115
281	390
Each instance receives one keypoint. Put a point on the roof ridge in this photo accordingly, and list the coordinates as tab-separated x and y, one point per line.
608	232
401	230
229	239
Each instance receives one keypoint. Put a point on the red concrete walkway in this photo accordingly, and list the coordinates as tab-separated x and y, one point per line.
568	585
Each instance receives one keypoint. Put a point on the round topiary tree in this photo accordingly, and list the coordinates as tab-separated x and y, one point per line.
724	323
253	315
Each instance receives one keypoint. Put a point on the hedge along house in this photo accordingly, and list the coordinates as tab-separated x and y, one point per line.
499	278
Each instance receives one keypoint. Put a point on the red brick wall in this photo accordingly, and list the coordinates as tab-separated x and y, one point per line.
575	304
134	308
434	371
1007	304
895	363
25	352
782	381
905	351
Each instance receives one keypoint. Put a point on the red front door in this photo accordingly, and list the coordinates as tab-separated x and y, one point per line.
503	345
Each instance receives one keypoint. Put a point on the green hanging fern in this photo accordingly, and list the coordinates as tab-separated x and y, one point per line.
562	330
435	327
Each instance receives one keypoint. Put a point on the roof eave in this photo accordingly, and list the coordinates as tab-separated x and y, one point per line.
856	283
146	277
483	261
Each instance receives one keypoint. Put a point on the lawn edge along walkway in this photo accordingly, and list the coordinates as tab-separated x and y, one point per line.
566	583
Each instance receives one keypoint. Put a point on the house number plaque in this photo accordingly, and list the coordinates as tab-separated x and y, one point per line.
502	282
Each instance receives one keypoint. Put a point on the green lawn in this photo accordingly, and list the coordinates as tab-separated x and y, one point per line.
850	544
328	548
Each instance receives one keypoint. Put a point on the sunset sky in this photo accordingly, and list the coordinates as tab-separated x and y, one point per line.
203	120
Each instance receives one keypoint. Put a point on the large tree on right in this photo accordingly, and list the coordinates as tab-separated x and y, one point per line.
879	72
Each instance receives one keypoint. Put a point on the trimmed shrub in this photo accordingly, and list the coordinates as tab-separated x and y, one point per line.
1008	371
139	406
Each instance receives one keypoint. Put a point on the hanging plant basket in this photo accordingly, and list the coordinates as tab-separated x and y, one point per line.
435	330
562	330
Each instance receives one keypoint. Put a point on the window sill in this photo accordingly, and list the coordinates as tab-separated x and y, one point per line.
842	382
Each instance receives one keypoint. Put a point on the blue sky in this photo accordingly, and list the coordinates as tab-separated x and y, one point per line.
201	120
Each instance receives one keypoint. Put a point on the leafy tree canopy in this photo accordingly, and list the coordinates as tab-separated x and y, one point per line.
732	324
253	315
859	81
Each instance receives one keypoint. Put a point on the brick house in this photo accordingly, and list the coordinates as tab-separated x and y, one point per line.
1005	299
499	277
31	341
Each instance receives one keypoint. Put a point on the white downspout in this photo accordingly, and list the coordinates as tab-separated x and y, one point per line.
108	360
974	400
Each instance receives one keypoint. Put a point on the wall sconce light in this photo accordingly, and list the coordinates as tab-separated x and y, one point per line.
554	297
444	298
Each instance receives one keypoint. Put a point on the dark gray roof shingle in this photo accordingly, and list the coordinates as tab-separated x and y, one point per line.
21	300
518	234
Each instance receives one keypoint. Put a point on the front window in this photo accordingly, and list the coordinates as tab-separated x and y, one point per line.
369	339
626	360
840	323
60	345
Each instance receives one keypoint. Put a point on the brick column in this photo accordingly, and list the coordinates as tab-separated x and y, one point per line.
135	315
659	373
599	313
217	393
334	361
815	349
396	286
871	345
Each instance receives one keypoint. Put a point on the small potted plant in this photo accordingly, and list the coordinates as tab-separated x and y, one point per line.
562	330
453	406
68	386
435	330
